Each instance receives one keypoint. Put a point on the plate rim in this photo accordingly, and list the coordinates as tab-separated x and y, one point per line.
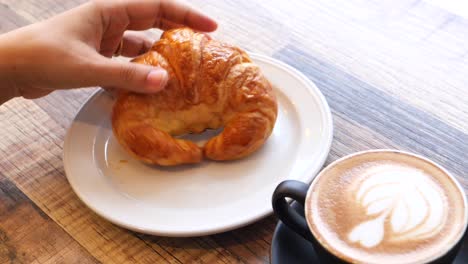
262	212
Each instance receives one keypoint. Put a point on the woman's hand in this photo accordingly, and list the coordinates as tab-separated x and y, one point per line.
74	49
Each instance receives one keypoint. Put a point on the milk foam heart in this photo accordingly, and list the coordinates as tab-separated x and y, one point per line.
404	197
386	207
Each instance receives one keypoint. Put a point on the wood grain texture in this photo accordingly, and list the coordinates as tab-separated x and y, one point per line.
394	73
28	235
34	11
409	49
38	171
10	20
412	129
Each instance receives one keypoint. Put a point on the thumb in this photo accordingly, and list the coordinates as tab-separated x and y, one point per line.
131	76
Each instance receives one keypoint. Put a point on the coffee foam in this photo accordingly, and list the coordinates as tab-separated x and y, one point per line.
409	200
386	207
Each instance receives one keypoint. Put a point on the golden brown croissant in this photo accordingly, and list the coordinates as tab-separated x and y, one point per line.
211	85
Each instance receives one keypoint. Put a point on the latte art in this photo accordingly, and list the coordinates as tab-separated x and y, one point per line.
403	197
386	207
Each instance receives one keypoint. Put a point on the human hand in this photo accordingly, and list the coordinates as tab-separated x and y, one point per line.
74	49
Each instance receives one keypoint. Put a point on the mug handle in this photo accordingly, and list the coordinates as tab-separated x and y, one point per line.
297	191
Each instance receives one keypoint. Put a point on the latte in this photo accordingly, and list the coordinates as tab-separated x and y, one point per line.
386	207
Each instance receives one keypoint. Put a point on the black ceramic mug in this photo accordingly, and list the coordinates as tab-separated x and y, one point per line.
445	223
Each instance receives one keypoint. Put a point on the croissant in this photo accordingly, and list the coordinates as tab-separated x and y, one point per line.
211	85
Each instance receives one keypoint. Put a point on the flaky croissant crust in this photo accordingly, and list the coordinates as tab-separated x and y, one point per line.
211	85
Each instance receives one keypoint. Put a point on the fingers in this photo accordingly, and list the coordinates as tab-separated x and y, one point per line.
181	13
34	93
129	76
135	44
165	24
146	14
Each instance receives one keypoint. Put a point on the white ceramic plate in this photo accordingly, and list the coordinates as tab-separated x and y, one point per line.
203	199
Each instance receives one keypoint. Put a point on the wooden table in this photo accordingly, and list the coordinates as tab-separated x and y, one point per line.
395	74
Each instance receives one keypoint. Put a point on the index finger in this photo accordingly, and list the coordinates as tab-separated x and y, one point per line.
179	13
146	14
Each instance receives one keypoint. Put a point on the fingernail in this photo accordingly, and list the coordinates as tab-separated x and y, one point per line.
156	80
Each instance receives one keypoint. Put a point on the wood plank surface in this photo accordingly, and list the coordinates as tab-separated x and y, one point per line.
393	72
28	235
